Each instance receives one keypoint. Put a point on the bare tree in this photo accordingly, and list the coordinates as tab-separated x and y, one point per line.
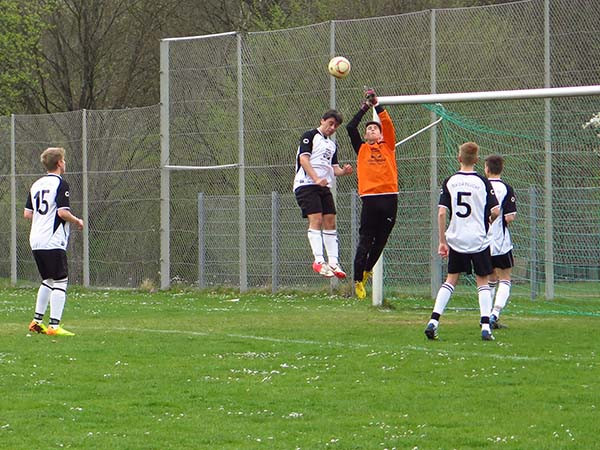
99	55
104	54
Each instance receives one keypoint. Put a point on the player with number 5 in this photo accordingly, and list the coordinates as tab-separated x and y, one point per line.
49	211
469	199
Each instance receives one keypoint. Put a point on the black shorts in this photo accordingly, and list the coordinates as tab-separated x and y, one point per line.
505	261
315	199
52	264
378	214
465	262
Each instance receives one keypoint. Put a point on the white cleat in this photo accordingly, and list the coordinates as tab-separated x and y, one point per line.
338	272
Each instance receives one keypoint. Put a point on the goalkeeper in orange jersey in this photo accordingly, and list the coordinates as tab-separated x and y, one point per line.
377	187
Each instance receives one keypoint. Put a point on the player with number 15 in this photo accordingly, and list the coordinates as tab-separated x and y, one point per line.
49	211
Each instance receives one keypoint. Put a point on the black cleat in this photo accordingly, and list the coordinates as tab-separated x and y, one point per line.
431	332
487	335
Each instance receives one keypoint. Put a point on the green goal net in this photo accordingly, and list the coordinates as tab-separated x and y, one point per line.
552	160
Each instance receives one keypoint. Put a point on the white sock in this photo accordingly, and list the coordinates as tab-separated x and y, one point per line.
492	285
501	297
316	244
434	322
43	297
57	300
330	239
485	302
442	298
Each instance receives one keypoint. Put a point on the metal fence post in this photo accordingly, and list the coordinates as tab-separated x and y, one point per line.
549	232
332	94
332	104
85	201
13	203
533	241
354	224
242	171
435	263
165	201
274	241
201	242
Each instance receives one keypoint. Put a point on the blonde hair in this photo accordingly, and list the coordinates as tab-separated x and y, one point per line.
469	153
51	156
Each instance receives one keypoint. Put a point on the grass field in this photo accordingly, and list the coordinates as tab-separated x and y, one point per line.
223	370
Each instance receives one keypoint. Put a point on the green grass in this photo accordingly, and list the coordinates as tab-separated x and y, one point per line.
223	370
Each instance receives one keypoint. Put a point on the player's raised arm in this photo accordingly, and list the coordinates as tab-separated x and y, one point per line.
352	126
387	126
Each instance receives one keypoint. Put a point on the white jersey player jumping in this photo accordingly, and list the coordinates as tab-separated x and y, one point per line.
316	166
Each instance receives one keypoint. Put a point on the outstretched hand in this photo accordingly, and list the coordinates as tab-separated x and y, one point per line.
371	97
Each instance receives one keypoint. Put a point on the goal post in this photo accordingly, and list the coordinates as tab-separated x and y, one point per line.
572	91
545	137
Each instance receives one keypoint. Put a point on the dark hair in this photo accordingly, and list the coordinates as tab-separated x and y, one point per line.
495	164
333	113
468	152
373	122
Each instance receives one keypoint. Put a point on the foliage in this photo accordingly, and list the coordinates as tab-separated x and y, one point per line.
65	55
99	55
593	124
21	26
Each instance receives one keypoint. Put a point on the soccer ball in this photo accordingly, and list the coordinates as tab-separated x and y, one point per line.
339	67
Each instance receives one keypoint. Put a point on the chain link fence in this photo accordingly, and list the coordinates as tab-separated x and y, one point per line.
242	102
121	188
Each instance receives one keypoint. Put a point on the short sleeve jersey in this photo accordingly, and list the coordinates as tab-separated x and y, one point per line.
499	233
323	156
469	197
46	196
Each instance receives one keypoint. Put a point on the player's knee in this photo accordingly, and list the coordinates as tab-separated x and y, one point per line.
315	222
61	284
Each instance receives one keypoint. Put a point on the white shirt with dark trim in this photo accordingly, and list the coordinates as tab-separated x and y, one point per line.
469	198
323	156
499	233
46	196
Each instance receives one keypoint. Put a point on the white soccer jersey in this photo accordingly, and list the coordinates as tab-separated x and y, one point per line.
469	197
499	233
323	156
46	196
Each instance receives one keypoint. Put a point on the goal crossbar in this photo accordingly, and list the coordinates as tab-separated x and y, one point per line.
572	91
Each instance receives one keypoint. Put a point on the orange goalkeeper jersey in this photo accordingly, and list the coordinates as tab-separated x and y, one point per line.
376	164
